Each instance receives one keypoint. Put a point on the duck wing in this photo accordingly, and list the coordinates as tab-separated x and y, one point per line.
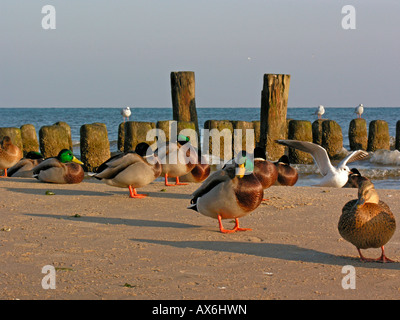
116	164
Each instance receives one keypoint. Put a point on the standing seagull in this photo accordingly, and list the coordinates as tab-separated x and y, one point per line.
126	113
332	176
359	110
320	111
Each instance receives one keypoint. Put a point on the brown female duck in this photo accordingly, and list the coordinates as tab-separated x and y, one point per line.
367	222
10	154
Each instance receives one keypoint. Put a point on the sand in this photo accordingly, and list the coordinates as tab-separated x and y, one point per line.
104	245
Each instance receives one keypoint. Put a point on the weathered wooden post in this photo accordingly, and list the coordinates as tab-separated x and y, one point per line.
136	132
274	99
257	127
183	97
68	129
52	139
397	144
358	136
29	138
95	147
332	138
243	136
317	131
121	136
218	136
378	136
14	134
300	130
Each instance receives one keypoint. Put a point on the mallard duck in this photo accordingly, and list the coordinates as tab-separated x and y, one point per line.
199	173
335	177
354	177
63	169
265	171
10	154
133	169
177	159
24	167
287	175
229	193
367	222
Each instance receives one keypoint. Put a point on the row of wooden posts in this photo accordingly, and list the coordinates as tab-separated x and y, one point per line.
273	125
95	146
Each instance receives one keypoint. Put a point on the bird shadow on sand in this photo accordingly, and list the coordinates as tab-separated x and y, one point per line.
60	192
287	252
117	221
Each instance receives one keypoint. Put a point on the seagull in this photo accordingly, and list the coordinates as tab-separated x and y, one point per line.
126	113
332	176
359	110
320	111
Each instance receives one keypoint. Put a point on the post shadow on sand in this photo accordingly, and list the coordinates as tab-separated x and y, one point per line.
288	252
113	221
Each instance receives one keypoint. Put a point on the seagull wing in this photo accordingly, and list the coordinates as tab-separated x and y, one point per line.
318	153
354	156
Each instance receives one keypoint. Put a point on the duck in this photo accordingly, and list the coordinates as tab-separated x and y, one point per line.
359	110
229	193
320	111
24	167
199	173
177	159
287	175
126	113
367	222
335	177
63	169
264	170
132	170
353	180
10	154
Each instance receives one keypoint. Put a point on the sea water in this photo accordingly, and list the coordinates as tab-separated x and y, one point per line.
382	167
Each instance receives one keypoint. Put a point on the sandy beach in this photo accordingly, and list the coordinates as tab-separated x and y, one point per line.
105	245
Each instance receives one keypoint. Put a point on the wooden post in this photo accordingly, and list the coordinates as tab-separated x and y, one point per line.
358	136
274	99
29	138
52	139
95	147
183	98
300	130
378	135
332	138
397	144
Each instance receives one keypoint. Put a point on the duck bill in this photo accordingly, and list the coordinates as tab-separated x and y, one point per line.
360	203
74	159
241	171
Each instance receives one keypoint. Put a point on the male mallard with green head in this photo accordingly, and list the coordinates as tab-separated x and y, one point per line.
229	193
63	169
133	169
367	222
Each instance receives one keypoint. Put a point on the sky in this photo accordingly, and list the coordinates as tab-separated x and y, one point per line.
120	53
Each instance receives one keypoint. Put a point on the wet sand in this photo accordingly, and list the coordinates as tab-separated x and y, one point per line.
105	245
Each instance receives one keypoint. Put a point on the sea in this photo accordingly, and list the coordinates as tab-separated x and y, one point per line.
383	167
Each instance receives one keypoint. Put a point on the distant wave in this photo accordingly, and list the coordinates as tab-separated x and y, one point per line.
386	157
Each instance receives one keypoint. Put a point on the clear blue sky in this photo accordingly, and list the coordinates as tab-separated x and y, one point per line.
120	53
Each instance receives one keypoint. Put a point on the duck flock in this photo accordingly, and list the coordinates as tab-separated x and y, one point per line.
231	192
